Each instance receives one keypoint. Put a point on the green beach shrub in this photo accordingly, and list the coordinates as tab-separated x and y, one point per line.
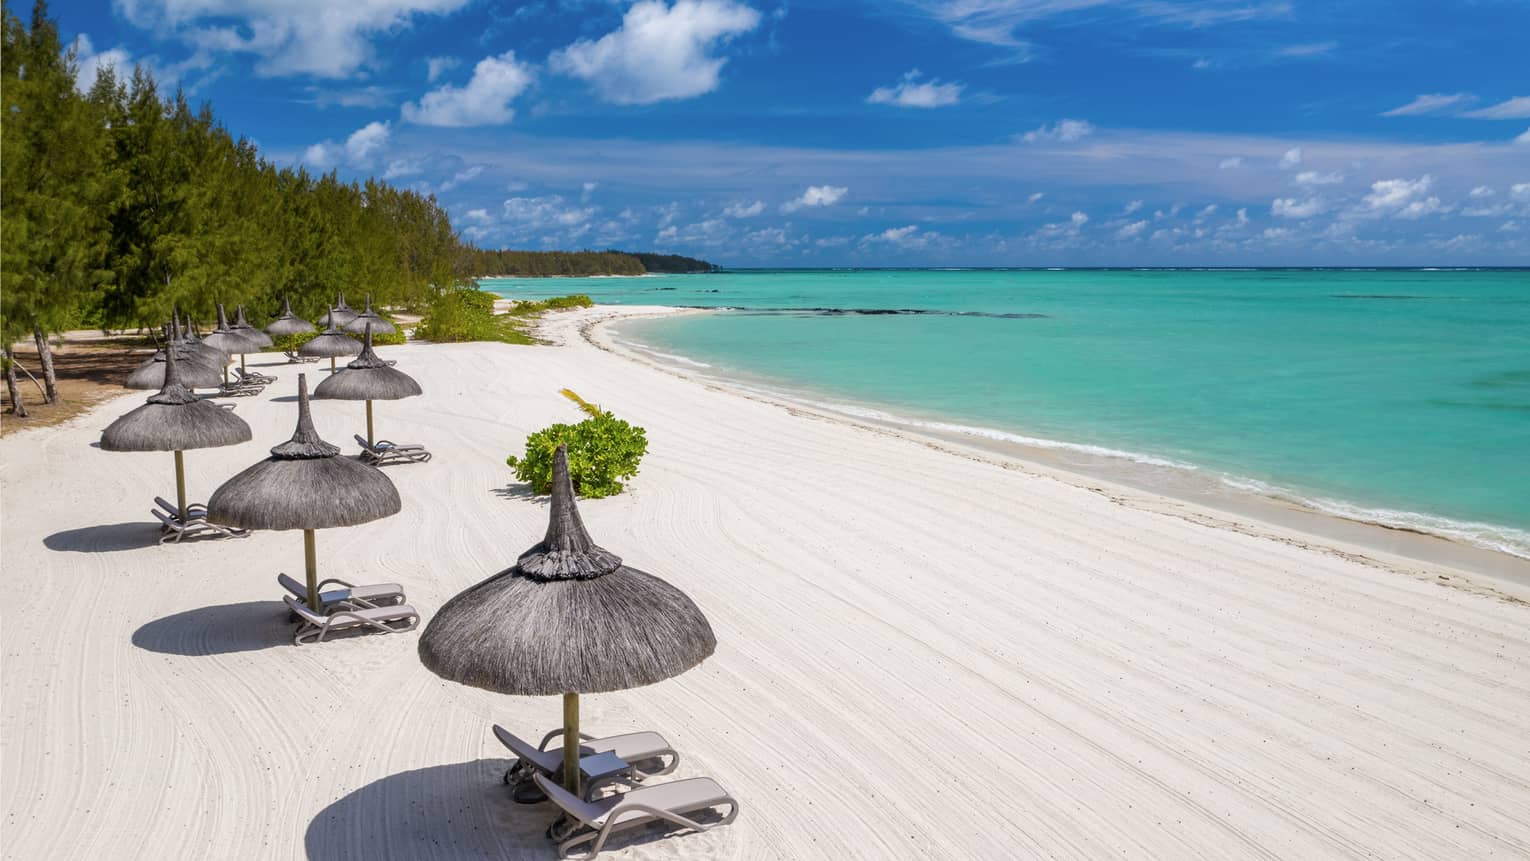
602	450
467	314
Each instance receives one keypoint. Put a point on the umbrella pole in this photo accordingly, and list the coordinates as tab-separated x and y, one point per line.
183	514
241	364
331	364
312	567
369	424
571	743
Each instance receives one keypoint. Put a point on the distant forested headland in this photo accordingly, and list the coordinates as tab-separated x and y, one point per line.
550	264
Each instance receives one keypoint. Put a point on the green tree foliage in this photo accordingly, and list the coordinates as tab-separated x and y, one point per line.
56	187
123	203
602	450
550	264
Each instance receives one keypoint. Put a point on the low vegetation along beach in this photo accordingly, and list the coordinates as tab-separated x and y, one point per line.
905	634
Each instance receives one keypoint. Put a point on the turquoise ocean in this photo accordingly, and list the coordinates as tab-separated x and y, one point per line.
1400	397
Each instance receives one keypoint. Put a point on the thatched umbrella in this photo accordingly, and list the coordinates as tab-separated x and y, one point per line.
188	337
331	343
305	485
175	420
257	339
288	323
195	371
226	339
366	318
369	379
567	618
339	315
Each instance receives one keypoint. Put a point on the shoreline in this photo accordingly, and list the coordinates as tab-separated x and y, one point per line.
1133	483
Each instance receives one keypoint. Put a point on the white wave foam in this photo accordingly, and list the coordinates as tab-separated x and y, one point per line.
1502	539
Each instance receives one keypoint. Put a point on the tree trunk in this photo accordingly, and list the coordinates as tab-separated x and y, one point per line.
45	357
17	407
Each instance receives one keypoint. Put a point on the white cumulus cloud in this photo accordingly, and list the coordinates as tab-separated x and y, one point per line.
435	67
1065	131
291	37
1524	138
910	92
816	195
88	62
1132	231
1290	207
744	210
1312	177
484	101
1292	158
1401	198
366	140
661	52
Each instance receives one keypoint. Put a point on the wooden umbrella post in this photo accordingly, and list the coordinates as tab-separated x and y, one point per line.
370	441
182	514
331	364
311	565
571	743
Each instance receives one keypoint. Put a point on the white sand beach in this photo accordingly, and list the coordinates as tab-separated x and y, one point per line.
922	652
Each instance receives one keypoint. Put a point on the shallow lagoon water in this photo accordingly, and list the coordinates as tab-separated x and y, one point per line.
1400	396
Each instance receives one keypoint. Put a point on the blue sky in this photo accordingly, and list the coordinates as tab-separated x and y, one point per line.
920	132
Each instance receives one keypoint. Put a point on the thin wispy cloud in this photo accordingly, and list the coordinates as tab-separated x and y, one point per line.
1517	108
1307	49
1430	103
1064	131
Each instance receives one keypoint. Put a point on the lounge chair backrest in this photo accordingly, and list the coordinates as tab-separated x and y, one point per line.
302	610
523	749
362	441
292	585
165	519
582	810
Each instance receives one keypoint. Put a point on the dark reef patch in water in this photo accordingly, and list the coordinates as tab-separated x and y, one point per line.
1374	296
879	312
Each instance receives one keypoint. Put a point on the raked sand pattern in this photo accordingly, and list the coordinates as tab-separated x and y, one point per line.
921	655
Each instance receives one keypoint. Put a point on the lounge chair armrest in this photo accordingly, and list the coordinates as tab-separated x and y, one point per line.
337	581
558	732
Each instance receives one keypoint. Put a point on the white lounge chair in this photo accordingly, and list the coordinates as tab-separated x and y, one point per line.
315	627
174	529
194	511
669	802
294	358
349	596
251	378
646	749
384	452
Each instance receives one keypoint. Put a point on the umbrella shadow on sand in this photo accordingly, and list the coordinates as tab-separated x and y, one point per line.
109	538
521	490
454	811
223	629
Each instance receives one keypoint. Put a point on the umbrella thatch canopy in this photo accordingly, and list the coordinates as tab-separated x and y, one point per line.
366	318
227	340
288	323
339	315
369	379
188	337
242	326
175	419
196	371
567	618
329	344
305	485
